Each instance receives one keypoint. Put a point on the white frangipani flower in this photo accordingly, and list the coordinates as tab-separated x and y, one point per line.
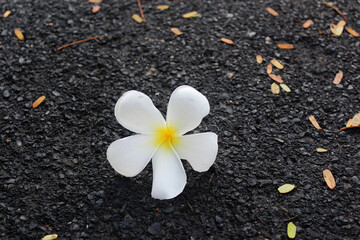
163	141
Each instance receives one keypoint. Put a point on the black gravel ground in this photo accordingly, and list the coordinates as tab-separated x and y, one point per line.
54	174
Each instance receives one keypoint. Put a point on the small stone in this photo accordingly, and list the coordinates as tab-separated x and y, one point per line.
74	227
169	209
6	93
268	40
227	133
10	181
21	60
250	34
230	74
155	228
18	116
356	180
55	93
339	85
218	219
252	182
357	154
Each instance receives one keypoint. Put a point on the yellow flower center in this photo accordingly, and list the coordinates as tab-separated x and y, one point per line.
166	136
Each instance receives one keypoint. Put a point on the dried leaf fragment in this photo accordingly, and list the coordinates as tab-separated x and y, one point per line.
275	89
314	122
259	59
285	46
352	122
50	237
276	78
228	41
338	78
329	179
291	230
277	64
321	150
19	34
95	9
349	123
286	188
356	120
7	13
338	29
176	31
352	32
191	14
137	18
308	23
163	7
38	101
95	1
285	87
272	11
269	69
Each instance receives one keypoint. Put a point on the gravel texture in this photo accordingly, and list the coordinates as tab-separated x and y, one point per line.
53	169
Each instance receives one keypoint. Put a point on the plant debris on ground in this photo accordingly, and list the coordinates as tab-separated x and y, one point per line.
56	180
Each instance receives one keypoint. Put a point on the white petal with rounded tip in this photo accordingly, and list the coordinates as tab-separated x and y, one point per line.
130	155
199	150
187	107
136	112
169	178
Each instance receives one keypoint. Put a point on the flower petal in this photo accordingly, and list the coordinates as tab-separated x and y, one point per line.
199	150
169	178
187	107
136	112
130	155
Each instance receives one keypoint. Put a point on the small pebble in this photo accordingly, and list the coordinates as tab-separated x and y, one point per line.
21	60
252	182
55	93
218	219
356	180
268	40
250	34
6	93
155	228
227	133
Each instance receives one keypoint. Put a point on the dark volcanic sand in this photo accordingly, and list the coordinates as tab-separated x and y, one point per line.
53	167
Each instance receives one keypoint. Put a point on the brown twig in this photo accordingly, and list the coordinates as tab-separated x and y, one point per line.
191	208
290	219
337	10
344	128
80	41
141	12
283	208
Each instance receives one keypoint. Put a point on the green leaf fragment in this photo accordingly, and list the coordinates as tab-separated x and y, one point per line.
285	87
286	188
291	230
